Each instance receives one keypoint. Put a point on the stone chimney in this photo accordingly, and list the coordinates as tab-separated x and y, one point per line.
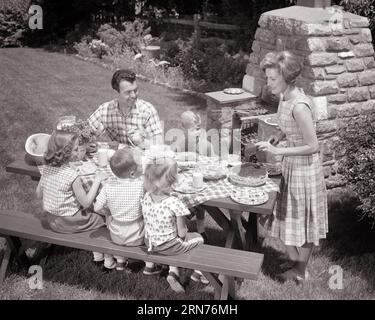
337	54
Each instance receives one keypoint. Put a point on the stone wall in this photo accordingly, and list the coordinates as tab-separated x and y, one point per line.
336	50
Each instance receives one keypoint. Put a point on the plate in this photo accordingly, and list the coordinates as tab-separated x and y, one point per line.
250	196
233	90
85	168
186	165
272	121
214	172
186	186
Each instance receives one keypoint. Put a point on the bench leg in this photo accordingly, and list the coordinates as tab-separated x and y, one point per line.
224	288
15	244
4	263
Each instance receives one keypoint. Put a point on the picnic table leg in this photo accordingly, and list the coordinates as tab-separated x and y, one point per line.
219	217
236	222
4	263
252	231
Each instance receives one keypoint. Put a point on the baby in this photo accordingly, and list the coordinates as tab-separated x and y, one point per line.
195	138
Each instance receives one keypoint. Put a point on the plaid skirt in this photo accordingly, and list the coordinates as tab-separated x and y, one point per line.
301	212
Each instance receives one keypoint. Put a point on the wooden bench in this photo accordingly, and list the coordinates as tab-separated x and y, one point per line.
211	260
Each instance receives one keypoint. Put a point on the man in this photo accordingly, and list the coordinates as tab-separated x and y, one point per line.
127	119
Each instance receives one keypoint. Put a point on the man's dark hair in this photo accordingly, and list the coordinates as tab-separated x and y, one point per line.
120	75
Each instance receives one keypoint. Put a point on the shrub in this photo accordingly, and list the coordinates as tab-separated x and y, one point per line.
13	21
211	67
357	141
363	8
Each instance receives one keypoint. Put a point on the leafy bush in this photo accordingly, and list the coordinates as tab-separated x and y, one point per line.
13	21
357	141
211	67
365	8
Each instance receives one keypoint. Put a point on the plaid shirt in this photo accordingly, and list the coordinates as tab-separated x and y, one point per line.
123	198
142	117
57	190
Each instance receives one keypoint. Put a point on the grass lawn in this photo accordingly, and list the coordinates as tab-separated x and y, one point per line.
37	87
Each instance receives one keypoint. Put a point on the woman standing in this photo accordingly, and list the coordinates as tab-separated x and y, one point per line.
300	217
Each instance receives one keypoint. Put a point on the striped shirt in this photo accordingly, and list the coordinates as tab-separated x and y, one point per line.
123	198
142	117
57	190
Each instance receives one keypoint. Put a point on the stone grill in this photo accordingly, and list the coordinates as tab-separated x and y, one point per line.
335	48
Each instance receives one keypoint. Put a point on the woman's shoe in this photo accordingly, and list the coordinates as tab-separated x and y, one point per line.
174	282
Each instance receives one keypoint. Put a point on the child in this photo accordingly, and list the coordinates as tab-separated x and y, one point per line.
65	201
195	139
164	215
122	196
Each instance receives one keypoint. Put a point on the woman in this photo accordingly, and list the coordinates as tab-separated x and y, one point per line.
300	218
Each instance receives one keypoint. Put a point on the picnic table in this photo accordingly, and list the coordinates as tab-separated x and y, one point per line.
239	220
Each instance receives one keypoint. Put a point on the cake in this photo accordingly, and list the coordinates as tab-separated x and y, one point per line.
248	174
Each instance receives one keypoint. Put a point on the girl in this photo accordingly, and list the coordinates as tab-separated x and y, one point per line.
164	216
65	201
300	219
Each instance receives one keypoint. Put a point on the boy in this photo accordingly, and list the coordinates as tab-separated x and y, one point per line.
122	195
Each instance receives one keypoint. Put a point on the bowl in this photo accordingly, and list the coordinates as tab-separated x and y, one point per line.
36	145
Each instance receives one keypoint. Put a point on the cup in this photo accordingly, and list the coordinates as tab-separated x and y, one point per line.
102	157
197	180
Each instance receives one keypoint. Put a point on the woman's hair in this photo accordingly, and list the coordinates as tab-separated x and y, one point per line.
284	61
122	75
60	146
160	175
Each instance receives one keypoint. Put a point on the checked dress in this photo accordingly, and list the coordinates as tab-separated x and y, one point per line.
300	214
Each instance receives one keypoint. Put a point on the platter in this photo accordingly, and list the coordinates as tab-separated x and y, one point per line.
84	168
233	90
250	196
186	186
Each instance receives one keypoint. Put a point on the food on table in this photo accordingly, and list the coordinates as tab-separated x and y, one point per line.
273	169
214	172
250	196
248	175
84	168
185	185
